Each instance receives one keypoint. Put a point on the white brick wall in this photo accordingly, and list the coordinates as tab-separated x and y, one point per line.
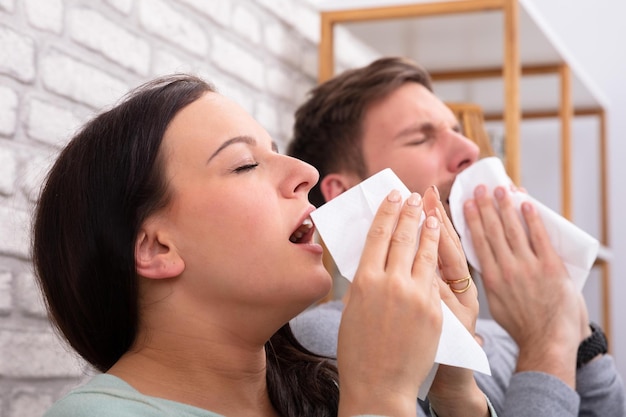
17	54
6	296
49	123
8	110
161	19
45	14
63	60
67	76
8	170
90	29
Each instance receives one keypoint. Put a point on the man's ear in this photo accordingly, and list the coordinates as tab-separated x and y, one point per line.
155	256
334	184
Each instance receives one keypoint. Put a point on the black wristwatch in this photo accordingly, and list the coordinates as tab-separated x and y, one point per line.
592	346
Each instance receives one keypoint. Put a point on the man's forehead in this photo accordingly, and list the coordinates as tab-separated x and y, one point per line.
409	110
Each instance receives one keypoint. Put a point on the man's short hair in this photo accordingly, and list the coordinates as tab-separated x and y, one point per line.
328	126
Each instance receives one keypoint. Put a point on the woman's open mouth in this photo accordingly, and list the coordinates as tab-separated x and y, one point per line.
304	233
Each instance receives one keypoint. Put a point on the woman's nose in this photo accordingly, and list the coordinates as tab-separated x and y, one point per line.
300	177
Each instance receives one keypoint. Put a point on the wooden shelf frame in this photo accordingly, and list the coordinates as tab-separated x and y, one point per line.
511	72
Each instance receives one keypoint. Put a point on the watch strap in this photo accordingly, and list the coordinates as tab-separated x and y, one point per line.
594	345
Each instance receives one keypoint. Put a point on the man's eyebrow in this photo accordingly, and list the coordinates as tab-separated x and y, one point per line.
237	139
410	130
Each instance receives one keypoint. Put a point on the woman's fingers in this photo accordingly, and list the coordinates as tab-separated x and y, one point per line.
457	288
452	261
425	263
392	240
403	243
376	247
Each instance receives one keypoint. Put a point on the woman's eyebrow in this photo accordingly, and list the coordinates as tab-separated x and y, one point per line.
237	139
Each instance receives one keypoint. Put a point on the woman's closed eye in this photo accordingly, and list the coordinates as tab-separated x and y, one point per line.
245	167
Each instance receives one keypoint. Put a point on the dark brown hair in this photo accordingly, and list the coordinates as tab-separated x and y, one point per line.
102	187
327	131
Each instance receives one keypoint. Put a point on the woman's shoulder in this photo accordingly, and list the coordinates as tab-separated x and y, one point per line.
108	396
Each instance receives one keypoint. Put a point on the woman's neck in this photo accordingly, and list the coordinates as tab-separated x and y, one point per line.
226	378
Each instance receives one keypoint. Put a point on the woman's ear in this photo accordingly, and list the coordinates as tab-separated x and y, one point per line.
334	184
155	255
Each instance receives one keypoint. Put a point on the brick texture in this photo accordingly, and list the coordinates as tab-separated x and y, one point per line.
8	111
61	61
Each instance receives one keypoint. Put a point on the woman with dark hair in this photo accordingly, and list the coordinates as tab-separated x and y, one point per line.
173	245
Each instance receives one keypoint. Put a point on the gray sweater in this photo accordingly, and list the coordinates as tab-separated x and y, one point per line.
599	388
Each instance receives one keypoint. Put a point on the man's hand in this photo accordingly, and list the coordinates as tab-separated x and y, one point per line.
529	291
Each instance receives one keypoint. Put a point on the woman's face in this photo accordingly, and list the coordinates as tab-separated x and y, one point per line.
236	215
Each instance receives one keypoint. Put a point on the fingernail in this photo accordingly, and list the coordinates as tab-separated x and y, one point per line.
436	190
438	214
414	199
470	205
480	191
527	207
499	193
394	196
432	222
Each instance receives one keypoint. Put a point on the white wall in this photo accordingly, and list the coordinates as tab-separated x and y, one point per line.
593	32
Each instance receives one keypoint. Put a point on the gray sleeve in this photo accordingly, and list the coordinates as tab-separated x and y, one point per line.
599	392
537	394
317	328
492	411
601	389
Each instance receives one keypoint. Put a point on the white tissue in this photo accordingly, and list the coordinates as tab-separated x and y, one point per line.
577	249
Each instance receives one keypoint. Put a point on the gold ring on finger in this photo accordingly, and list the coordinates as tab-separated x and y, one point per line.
467	279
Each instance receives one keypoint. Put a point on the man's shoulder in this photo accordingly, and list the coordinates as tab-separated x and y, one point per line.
329	311
318	327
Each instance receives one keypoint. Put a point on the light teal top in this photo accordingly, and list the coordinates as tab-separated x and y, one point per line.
109	396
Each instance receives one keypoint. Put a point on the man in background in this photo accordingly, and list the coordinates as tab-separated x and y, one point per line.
545	356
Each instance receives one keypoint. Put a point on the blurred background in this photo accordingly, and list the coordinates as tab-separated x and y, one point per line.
62	61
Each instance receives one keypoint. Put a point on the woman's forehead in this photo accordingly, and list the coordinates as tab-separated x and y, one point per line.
212	118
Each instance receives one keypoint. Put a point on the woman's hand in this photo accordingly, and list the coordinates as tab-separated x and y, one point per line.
391	324
454	390
457	287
